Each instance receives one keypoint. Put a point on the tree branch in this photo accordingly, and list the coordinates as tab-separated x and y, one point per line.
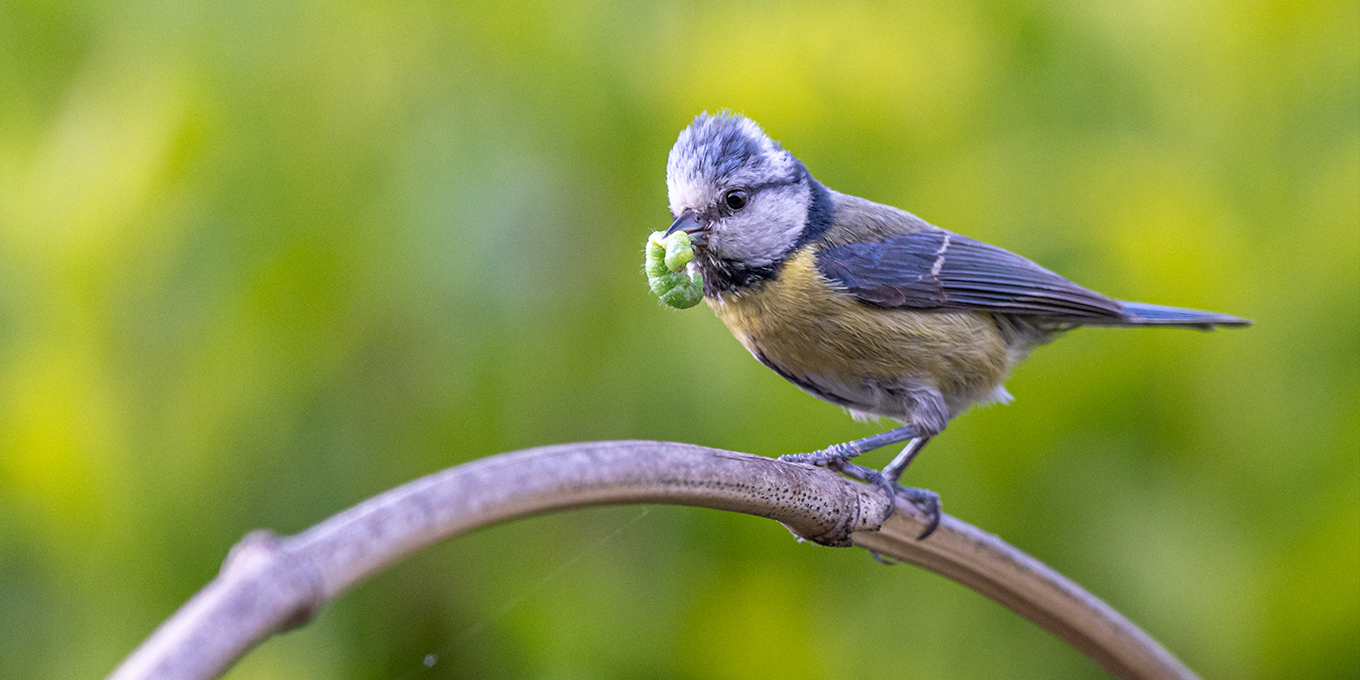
270	584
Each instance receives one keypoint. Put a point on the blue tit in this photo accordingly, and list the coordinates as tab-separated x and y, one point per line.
864	305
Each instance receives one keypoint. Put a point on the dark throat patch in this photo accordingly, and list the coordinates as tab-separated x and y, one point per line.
730	276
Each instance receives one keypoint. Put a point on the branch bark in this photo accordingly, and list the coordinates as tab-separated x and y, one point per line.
270	584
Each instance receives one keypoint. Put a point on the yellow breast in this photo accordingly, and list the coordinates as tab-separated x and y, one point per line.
800	322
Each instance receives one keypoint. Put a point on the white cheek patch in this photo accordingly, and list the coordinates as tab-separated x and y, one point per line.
764	232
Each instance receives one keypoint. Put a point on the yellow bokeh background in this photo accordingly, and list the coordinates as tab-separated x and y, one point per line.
259	261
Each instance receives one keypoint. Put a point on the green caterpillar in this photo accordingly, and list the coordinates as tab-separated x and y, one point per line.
666	260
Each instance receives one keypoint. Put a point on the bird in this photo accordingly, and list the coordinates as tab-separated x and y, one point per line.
865	305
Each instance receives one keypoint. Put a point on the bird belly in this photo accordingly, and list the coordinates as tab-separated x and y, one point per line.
874	361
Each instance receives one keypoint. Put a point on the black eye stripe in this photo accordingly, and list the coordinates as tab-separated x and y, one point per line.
769	185
752	189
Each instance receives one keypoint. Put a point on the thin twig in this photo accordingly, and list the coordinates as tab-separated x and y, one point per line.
270	584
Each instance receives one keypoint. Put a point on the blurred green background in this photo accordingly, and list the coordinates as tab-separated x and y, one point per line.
260	260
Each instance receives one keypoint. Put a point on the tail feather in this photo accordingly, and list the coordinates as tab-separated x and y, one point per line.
1144	314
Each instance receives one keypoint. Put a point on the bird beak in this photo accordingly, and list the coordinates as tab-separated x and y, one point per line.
689	223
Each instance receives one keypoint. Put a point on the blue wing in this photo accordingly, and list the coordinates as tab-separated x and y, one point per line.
937	270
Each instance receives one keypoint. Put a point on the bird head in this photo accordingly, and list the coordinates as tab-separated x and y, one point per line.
742	198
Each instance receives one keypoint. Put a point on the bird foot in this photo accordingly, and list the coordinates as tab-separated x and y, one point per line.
925	500
834	455
836	459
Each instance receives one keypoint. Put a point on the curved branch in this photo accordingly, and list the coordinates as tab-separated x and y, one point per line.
270	584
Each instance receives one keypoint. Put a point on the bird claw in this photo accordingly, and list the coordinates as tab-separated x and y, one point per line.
828	457
924	500
885	561
928	502
879	480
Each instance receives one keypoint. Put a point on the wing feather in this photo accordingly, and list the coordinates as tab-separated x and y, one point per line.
937	270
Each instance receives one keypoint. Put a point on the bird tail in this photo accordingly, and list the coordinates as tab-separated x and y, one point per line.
1144	314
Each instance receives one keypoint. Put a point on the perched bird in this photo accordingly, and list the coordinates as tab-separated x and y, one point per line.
864	305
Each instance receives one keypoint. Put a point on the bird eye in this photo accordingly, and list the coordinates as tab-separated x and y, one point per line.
735	199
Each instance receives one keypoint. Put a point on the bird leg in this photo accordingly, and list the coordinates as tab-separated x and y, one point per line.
837	458
840	453
893	471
